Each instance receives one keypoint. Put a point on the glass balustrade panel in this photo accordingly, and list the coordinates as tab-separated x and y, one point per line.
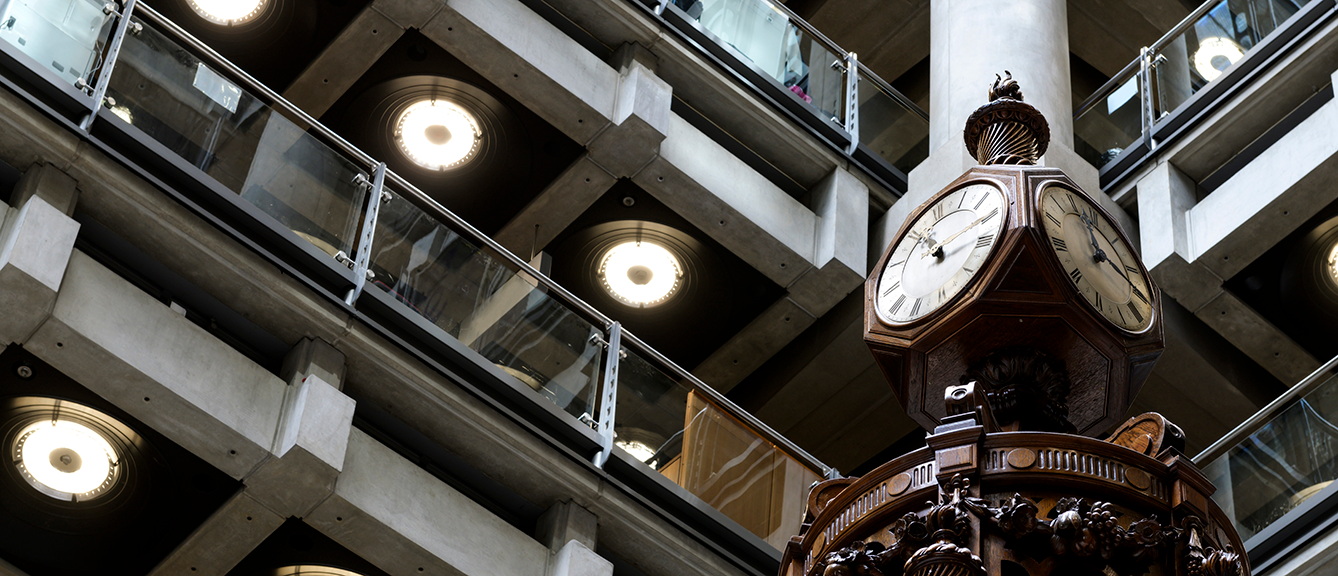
68	37
1217	40
1111	125
477	299
231	136
1287	461
699	446
894	132
776	46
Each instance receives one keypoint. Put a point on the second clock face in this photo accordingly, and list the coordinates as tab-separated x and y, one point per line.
940	253
1098	262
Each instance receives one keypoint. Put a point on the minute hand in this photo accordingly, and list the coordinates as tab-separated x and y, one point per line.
939	245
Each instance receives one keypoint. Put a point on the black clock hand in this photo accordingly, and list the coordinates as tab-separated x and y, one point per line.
1098	254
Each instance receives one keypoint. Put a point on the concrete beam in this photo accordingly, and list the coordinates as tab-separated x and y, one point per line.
1268	198
36	241
409	13
348	57
1257	338
841	240
533	61
313	357
309	447
399	517
752	346
556	207
161	368
566	521
48	183
7	569
420	396
732	203
577	559
640	122
223	540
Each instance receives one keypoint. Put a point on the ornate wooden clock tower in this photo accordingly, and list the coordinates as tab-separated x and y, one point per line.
1010	315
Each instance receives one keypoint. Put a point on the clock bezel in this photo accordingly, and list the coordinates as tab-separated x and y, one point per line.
972	285
1154	294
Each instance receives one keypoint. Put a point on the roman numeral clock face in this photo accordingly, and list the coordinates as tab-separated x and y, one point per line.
1098	262
940	253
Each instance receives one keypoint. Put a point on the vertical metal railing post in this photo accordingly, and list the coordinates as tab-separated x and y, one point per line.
104	75
1145	95
375	198
608	397
852	101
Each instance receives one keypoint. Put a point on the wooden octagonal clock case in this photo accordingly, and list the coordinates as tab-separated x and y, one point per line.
1014	264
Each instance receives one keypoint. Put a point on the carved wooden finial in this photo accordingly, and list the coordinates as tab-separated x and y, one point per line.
1005	88
1006	130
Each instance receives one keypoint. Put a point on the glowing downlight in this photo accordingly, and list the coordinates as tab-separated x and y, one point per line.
228	12
65	460
640	274
638	450
1333	264
437	135
1215	55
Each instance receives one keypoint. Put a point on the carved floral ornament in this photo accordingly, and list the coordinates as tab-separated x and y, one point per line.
935	544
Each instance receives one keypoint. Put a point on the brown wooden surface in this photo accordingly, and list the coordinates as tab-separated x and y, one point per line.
1021	297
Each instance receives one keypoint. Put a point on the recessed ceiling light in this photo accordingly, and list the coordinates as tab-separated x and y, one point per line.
228	12
1215	55
437	134
65	459
1333	264
312	570
638	450
640	273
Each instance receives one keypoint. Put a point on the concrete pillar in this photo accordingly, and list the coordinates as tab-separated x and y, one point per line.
46	182
566	521
36	241
970	42
313	357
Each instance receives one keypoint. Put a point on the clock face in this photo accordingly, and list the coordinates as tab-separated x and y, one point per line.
940	253
1098	262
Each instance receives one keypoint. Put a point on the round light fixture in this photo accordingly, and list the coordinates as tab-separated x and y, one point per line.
312	570
1333	264
65	460
638	450
1215	55
437	135
640	273
228	12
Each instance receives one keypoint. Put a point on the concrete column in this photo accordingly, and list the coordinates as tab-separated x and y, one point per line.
36	241
970	42
566	521
46	182
313	357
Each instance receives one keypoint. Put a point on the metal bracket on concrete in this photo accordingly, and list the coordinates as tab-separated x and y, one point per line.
108	63
659	9
608	397
1145	95
376	197
852	101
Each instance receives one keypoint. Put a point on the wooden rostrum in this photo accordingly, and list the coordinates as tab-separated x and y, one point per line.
1006	486
974	503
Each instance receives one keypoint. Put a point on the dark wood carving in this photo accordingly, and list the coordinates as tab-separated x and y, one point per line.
1004	373
1021	298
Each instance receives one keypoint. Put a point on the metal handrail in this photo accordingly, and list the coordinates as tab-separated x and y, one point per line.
442	214
1267	413
1110	86
424	201
729	406
1180	28
253	84
893	92
427	203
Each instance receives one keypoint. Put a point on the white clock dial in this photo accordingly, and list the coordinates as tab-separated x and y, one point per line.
940	253
1098	262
